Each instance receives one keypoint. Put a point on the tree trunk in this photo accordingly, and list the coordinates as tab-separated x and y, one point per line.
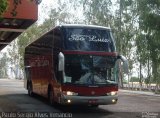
140	75
128	82
149	77
119	43
155	73
120	75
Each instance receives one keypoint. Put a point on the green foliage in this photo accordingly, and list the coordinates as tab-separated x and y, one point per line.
125	81
98	12
25	39
149	17
134	79
3	65
3	6
142	50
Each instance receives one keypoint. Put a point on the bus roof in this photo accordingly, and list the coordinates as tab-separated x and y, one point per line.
72	25
86	26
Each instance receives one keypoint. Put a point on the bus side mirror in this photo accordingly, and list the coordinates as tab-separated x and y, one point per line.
61	62
125	64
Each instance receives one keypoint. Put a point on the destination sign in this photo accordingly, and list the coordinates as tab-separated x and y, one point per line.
90	38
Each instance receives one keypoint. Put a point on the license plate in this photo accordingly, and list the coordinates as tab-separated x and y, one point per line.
92	101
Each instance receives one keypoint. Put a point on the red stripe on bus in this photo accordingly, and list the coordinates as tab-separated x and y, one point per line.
87	91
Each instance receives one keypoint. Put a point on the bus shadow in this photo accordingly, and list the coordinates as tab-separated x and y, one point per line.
76	110
81	109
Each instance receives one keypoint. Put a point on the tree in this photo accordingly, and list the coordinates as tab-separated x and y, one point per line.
98	12
125	29
25	39
134	79
149	18
3	66
13	58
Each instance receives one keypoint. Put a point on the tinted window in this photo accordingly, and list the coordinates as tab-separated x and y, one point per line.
89	70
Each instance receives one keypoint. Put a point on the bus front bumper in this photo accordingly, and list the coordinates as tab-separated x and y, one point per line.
90	100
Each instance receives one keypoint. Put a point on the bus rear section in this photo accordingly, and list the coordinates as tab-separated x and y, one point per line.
84	66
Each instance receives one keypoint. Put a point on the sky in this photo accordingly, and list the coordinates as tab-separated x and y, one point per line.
44	7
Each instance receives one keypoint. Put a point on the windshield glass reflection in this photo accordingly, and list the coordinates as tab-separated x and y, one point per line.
89	70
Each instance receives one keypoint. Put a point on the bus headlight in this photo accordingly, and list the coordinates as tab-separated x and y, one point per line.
69	93
112	93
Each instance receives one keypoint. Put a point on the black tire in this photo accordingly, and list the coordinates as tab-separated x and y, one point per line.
94	106
30	90
51	97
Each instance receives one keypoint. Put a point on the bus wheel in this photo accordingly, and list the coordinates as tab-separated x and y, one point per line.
51	97
30	91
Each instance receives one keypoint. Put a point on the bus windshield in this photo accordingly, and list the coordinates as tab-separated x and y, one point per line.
88	39
89	70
